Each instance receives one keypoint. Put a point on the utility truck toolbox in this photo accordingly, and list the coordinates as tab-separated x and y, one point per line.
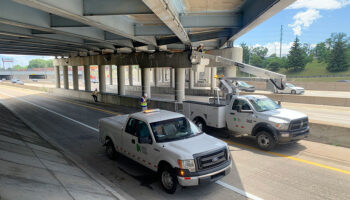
169	144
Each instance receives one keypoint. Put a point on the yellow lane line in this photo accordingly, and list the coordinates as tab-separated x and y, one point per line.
227	141
289	157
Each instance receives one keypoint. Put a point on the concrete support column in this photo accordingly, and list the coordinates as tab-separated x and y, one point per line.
102	78
58	77
87	80
213	83
65	77
146	81
121	80
172	77
163	74
191	79
131	83
75	78
111	75
179	84
155	77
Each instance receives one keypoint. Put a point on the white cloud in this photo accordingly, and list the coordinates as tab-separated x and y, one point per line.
22	60
304	19
274	47
319	4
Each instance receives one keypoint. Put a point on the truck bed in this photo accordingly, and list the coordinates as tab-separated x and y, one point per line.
111	125
212	114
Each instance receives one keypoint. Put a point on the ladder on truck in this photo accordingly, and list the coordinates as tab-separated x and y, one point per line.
274	80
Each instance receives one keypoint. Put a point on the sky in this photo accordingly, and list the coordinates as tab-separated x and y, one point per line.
313	21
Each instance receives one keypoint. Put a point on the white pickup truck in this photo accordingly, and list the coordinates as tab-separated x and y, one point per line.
169	144
250	115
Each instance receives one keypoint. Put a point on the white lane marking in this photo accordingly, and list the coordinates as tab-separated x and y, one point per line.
239	191
85	125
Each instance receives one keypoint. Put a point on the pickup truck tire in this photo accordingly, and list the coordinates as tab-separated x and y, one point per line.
200	124
110	150
265	140
168	179
293	92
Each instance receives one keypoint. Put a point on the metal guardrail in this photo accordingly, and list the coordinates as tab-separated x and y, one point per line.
320	76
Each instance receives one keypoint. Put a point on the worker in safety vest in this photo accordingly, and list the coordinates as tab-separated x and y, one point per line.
94	94
200	48
144	102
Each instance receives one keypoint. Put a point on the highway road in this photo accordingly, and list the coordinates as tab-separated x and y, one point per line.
306	170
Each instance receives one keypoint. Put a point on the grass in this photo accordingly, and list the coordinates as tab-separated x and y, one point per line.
313	69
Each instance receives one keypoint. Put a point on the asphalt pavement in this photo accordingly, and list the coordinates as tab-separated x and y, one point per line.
306	170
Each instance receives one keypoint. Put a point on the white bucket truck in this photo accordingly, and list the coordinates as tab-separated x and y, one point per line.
251	115
169	144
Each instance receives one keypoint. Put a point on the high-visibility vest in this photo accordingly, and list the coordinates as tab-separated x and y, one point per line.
143	102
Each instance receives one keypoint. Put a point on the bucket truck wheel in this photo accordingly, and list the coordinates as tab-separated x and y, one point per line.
293	92
265	140
110	150
200	124
168	179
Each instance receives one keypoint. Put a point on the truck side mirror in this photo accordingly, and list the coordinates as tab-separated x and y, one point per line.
239	108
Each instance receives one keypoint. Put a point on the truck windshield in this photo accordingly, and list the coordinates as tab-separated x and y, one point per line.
264	104
174	129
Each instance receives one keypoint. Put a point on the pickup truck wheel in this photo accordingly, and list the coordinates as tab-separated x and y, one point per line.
110	150
293	92
265	140
200	124
168	180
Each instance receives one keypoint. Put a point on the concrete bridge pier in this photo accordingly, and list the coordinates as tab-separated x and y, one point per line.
191	78
87	80
102	78
155	76
110	74
58	78
146	81
65	77
172	77
179	84
75	78
131	82
121	79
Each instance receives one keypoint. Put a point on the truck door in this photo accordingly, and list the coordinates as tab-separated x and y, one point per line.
145	151
130	139
240	122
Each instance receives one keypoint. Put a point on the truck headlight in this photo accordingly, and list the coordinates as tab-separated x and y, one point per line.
282	126
187	164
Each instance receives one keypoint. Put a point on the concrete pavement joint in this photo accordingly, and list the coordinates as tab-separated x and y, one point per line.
98	178
232	188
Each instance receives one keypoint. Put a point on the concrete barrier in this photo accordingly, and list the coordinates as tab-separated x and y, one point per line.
109	98
324	86
334	135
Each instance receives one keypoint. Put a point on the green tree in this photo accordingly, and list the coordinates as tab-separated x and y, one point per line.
337	60
296	57
321	52
256	60
260	51
18	67
40	63
275	63
246	52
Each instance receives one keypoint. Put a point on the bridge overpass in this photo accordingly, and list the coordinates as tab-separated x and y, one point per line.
148	33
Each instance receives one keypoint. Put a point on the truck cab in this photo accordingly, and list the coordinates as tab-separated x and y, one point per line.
251	115
169	144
